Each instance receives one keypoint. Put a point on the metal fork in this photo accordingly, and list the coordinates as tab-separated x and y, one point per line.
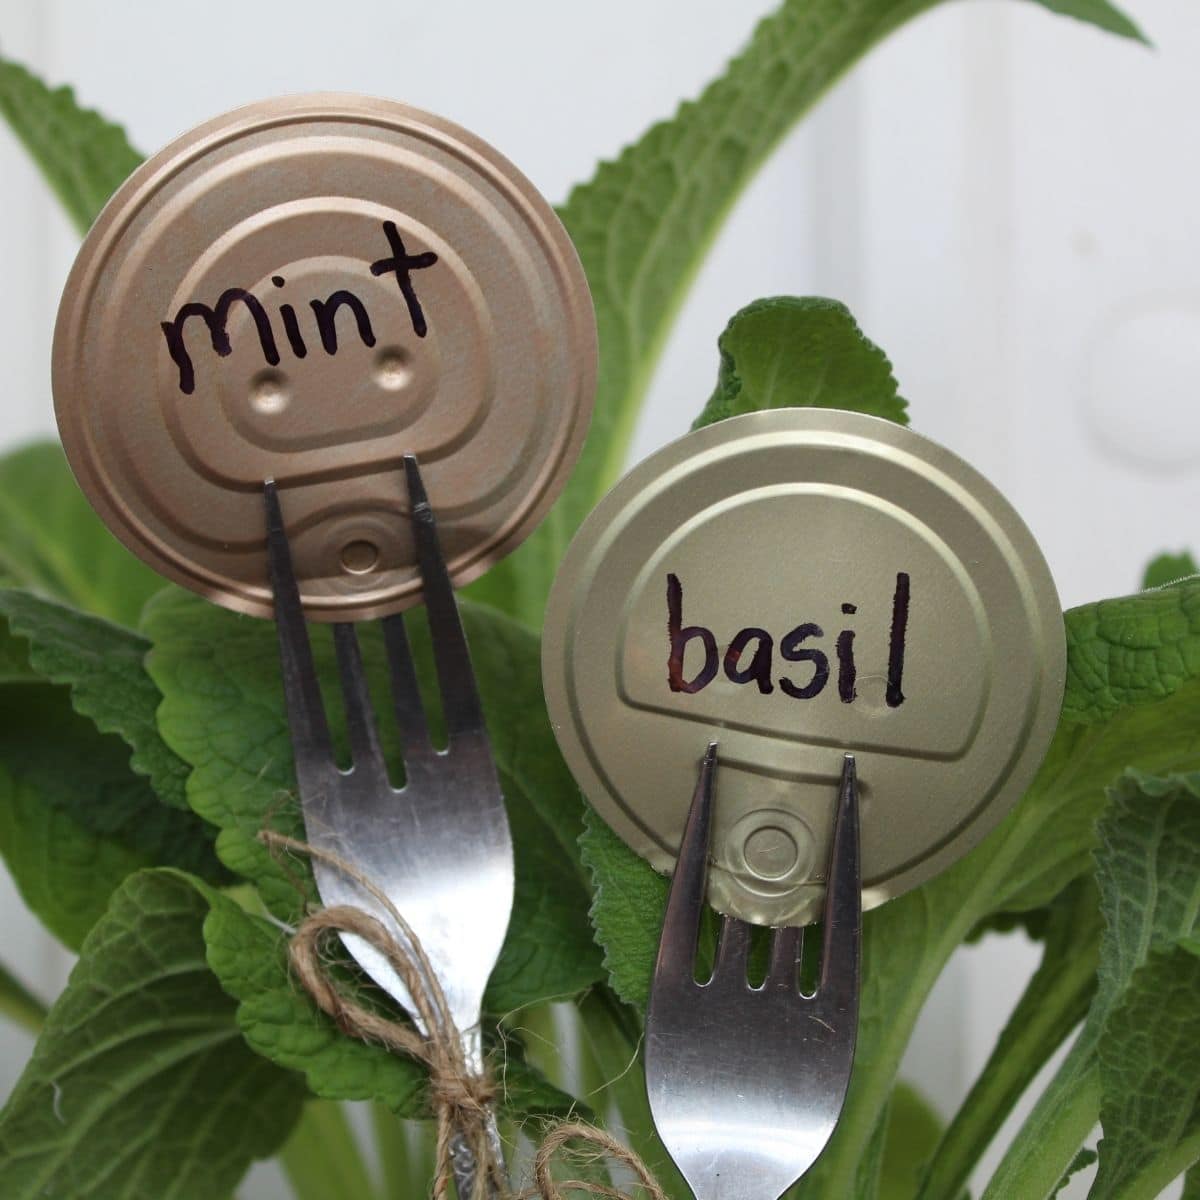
439	849
746	1084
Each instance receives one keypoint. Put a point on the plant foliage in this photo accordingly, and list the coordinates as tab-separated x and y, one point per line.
143	745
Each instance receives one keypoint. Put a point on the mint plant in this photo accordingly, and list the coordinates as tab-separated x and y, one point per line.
143	747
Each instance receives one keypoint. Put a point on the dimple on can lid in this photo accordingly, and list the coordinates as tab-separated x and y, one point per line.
795	585
305	290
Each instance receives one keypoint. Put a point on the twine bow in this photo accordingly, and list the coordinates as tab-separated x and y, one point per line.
461	1098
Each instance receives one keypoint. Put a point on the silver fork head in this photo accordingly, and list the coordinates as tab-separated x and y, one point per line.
747	1083
439	848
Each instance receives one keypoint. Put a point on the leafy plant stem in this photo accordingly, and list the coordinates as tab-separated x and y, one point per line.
1002	1082
1061	1120
621	1015
618	1060
1054	1002
322	1160
875	1070
829	58
19	1004
406	1153
538	1029
872	1081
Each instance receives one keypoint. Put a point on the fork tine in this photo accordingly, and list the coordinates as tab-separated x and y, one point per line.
365	752
306	714
786	947
733	949
840	954
685	899
460	696
406	695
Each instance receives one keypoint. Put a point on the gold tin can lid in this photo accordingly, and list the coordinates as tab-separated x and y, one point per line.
307	289
794	585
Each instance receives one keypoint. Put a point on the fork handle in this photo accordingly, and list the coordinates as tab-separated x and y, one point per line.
464	1167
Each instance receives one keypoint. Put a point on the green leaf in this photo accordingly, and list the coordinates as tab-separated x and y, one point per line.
793	352
104	666
66	800
1146	1015
279	1022
64	873
1131	650
223	714
1148	869
52	542
549	952
74	821
628	902
141	1085
1167	568
1149	1062
86	774
1099	13
284	1025
83	157
913	1131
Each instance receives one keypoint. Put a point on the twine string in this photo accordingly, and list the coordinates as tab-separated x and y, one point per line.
461	1097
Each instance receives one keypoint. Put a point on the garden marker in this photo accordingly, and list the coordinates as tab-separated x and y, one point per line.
305	290
796	585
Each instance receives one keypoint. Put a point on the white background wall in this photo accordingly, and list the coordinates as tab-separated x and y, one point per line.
1005	199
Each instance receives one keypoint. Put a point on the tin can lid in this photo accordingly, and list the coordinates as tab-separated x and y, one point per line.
794	585
306	289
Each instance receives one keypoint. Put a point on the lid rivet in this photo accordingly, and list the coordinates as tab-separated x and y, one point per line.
771	852
359	557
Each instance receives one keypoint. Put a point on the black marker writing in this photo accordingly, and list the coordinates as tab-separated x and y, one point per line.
290	325
796	646
680	637
325	313
217	320
403	263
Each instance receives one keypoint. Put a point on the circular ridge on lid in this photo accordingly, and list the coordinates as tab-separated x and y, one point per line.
307	289
796	584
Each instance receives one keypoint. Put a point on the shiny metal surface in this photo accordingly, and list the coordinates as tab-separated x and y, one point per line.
823	540
305	290
746	1084
439	848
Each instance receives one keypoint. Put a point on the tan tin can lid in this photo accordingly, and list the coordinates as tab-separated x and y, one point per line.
793	585
307	289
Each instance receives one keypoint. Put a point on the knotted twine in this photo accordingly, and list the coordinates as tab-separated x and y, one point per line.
461	1098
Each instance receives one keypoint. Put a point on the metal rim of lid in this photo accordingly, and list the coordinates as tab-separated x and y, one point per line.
609	525
156	173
